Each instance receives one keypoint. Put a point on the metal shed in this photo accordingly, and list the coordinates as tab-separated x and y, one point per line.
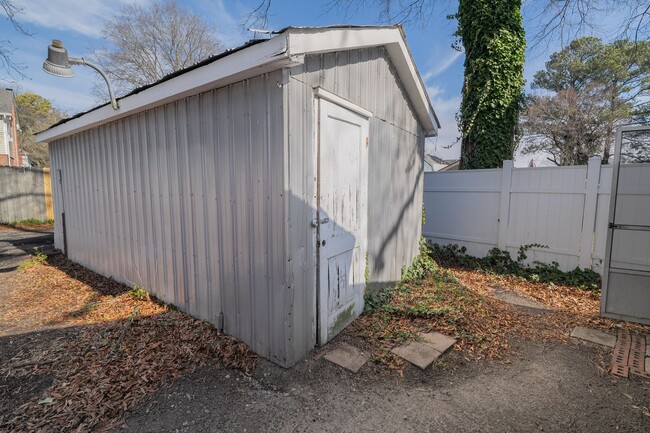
263	189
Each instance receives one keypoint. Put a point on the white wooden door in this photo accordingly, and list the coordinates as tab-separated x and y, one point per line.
626	283
342	187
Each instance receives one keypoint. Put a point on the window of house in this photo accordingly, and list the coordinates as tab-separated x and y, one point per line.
4	138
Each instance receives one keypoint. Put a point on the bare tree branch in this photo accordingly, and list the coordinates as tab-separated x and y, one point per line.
569	19
149	42
11	10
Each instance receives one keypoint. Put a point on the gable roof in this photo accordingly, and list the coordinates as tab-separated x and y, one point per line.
6	101
286	48
434	159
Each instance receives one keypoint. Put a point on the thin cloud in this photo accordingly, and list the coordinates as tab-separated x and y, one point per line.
442	66
224	18
84	17
446	109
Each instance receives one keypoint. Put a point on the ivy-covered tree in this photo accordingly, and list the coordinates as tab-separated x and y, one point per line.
493	37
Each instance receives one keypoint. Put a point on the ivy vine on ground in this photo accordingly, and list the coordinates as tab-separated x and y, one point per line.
492	35
500	262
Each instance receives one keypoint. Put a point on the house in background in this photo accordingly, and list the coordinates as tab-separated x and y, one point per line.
434	163
10	153
262	189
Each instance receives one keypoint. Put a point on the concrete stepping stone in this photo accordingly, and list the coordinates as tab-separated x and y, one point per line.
594	336
422	353
513	298
437	341
418	354
347	356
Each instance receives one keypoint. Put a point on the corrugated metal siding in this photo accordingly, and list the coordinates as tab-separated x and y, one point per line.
207	201
188	200
367	78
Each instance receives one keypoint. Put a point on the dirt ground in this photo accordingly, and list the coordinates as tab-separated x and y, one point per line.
552	387
557	388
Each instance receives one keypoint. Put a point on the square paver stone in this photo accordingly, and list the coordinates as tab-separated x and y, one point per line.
513	298
437	341
419	354
347	356
594	336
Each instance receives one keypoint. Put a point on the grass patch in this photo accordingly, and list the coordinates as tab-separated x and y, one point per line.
29	224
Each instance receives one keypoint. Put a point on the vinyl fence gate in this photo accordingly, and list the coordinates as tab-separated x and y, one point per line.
626	279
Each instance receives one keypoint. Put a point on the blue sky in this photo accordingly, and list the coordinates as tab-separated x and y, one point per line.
78	24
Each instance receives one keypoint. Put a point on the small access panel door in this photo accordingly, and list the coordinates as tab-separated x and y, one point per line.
626	282
342	185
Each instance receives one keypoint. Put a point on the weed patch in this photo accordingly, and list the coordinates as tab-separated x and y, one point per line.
426	298
139	293
37	259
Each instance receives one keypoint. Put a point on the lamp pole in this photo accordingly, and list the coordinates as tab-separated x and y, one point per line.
83	62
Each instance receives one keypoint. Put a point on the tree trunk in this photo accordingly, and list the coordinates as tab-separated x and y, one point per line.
494	40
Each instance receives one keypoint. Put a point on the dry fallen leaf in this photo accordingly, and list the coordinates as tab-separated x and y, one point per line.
119	352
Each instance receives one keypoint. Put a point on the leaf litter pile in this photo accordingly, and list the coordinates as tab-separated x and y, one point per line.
124	346
460	303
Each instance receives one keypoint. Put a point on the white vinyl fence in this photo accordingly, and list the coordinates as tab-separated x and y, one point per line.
563	208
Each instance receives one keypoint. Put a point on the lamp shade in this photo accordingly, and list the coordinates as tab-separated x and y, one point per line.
57	62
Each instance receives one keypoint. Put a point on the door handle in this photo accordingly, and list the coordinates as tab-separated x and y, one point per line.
316	222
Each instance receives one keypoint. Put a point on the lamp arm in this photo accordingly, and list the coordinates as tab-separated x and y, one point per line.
84	62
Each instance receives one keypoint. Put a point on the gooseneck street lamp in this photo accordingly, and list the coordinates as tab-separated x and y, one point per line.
58	64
